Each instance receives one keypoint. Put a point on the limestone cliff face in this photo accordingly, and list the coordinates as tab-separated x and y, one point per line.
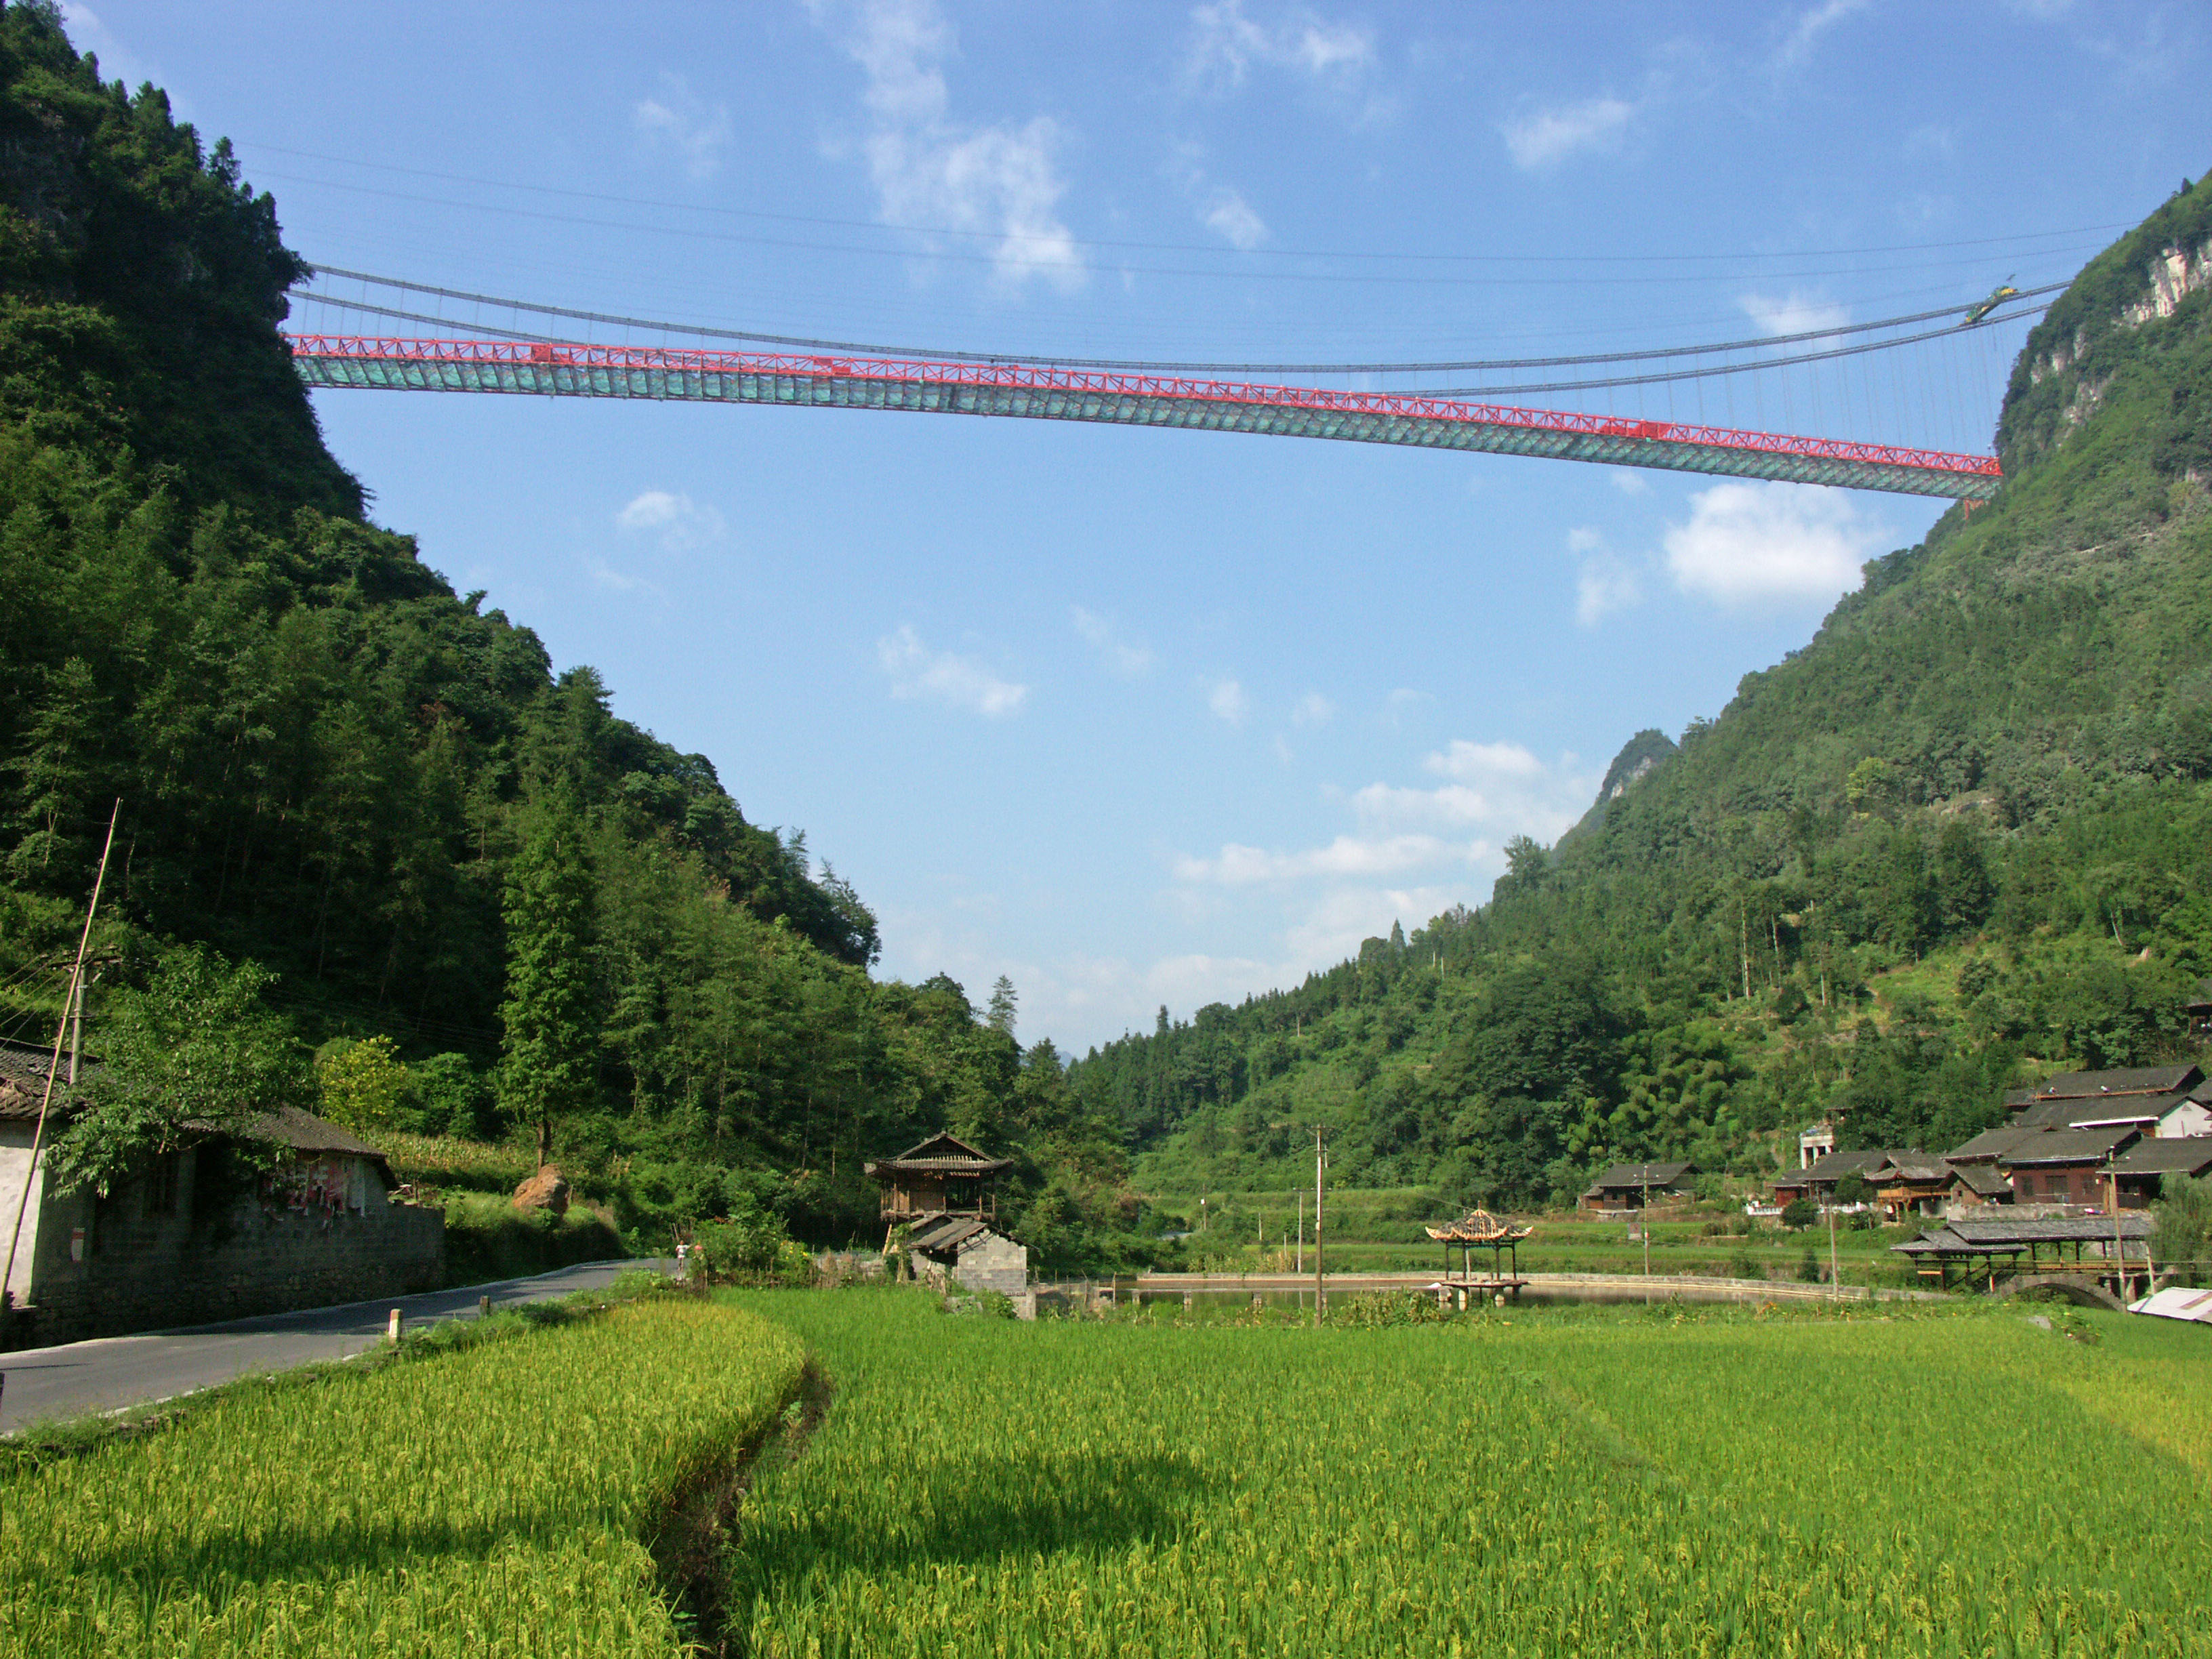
2147	282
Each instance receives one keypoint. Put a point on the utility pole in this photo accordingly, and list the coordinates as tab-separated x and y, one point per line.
1302	1229
2119	1244
1643	1226
72	1007
1835	1275
1320	1287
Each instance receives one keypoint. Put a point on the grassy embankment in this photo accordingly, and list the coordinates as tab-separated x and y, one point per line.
1591	1482
494	1501
486	1237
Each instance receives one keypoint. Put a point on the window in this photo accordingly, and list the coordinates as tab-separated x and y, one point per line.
159	1190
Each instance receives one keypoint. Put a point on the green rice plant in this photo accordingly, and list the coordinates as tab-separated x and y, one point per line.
496	1500
1606	1482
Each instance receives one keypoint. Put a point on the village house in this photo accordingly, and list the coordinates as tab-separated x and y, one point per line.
195	1238
1630	1186
2065	1166
943	1192
2144	1166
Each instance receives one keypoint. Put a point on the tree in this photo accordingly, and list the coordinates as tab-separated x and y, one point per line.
1851	1188
1799	1213
1003	1001
192	1056
363	1084
2181	1236
548	1057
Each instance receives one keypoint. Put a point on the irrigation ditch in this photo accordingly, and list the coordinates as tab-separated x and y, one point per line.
699	1525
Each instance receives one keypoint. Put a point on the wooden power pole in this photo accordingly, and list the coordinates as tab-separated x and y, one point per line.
1320	1288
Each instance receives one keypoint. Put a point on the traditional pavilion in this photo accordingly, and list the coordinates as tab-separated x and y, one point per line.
943	1175
1479	1230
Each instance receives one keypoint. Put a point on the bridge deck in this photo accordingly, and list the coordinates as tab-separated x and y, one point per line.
1014	390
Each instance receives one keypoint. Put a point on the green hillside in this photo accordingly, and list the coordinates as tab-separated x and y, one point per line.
331	765
1961	835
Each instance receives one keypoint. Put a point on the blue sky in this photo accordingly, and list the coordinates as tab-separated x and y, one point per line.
1144	718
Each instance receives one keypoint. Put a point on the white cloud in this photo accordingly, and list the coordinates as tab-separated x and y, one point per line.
1238	866
676	522
1227	700
1125	660
1226	46
1604	583
1630	483
1552	136
1603	587
1231	216
1312	709
1477	763
1771	543
678	121
1811	25
941	676
1000	180
1794	312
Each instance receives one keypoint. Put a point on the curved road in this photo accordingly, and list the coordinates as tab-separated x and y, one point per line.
45	1384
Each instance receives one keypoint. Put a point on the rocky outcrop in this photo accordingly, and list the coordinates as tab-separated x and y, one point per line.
546	1190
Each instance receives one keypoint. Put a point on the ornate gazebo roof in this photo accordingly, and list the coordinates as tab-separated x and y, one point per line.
1478	1227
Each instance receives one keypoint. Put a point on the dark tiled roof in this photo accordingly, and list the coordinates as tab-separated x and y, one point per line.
1623	1176
941	1154
2067	1147
1981	1178
2009	1236
2133	1224
1991	1144
305	1132
1834	1167
2097	1109
2190	1155
23	1068
2143	1080
947	1233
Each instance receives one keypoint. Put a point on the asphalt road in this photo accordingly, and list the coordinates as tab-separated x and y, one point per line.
43	1384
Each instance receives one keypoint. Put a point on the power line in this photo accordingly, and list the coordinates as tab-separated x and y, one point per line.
1061	240
1469	366
1076	266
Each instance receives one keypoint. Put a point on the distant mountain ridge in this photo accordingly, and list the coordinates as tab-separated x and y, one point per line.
1997	748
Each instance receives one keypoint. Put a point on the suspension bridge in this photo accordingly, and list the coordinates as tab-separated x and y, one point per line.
536	365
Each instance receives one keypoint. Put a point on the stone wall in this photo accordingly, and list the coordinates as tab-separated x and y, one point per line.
991	1262
186	1247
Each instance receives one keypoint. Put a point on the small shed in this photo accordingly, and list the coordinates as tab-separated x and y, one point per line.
1628	1186
962	1250
941	1175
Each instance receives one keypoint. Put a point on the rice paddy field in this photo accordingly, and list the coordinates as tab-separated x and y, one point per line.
1902	1480
1571	1482
494	1501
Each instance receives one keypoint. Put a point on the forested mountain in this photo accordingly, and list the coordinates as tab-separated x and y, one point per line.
328	763
1961	834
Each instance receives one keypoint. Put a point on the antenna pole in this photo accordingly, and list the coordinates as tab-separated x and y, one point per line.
71	1005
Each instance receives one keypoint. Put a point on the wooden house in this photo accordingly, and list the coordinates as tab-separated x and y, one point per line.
2065	1166
2143	1169
1630	1185
941	1175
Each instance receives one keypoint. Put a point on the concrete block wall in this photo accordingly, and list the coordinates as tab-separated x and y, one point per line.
242	1257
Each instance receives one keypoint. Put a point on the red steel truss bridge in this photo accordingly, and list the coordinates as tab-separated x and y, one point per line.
924	385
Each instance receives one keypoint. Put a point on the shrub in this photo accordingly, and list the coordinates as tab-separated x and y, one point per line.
1799	1213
